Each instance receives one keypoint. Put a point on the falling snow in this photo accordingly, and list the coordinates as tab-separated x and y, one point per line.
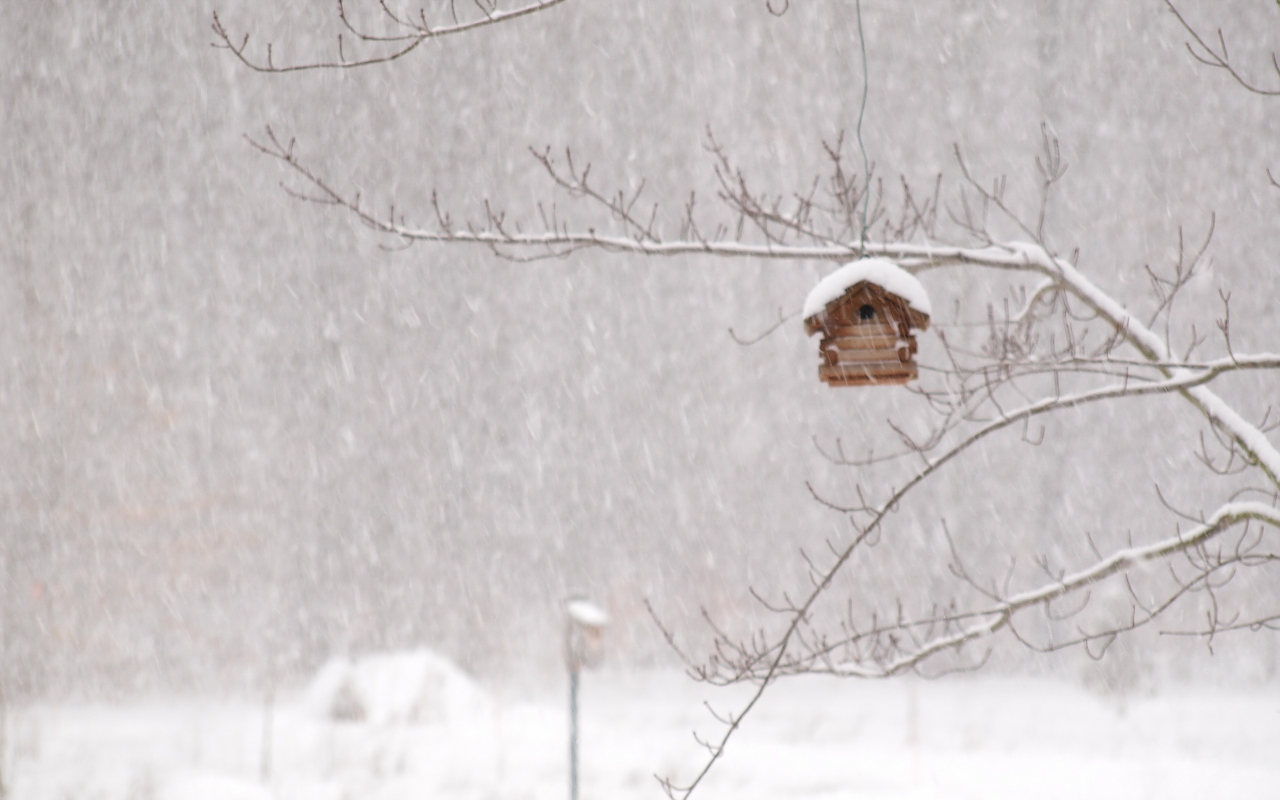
264	468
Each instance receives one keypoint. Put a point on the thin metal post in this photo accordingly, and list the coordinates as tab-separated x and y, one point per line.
583	625
573	734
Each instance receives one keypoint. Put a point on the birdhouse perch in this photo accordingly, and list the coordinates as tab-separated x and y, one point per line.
868	312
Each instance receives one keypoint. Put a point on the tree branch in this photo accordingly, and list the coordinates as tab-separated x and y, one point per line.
1219	58
415	33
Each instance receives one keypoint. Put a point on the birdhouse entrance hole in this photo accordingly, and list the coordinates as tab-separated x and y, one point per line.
867	312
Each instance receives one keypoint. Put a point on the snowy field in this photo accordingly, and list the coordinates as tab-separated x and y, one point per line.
812	738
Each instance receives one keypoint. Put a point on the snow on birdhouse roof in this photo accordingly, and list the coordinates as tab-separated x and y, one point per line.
585	612
880	271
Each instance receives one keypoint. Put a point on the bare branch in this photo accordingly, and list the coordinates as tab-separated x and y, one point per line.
998	616
412	34
782	320
1218	58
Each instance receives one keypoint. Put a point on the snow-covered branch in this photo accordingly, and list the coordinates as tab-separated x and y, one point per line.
1217	366
1251	440
557	241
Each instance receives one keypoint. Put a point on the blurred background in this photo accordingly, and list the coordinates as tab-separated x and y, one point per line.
241	434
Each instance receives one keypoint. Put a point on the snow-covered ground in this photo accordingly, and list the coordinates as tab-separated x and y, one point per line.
968	737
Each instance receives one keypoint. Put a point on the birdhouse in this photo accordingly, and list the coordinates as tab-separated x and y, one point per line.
867	312
584	633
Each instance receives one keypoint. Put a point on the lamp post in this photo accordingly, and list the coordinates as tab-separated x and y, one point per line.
583	646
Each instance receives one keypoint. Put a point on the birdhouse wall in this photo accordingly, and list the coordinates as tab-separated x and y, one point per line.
584	646
867	339
881	373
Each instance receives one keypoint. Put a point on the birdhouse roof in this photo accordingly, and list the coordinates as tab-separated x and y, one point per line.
879	271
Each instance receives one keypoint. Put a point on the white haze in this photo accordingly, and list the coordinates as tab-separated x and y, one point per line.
243	435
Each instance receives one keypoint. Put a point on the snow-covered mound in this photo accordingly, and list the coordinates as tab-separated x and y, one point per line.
880	271
384	688
965	737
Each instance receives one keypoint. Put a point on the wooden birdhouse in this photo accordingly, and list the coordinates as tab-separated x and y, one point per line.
867	312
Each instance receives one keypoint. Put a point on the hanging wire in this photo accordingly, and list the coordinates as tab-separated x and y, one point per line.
862	110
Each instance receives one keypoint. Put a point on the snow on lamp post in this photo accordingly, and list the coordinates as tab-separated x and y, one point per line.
583	647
